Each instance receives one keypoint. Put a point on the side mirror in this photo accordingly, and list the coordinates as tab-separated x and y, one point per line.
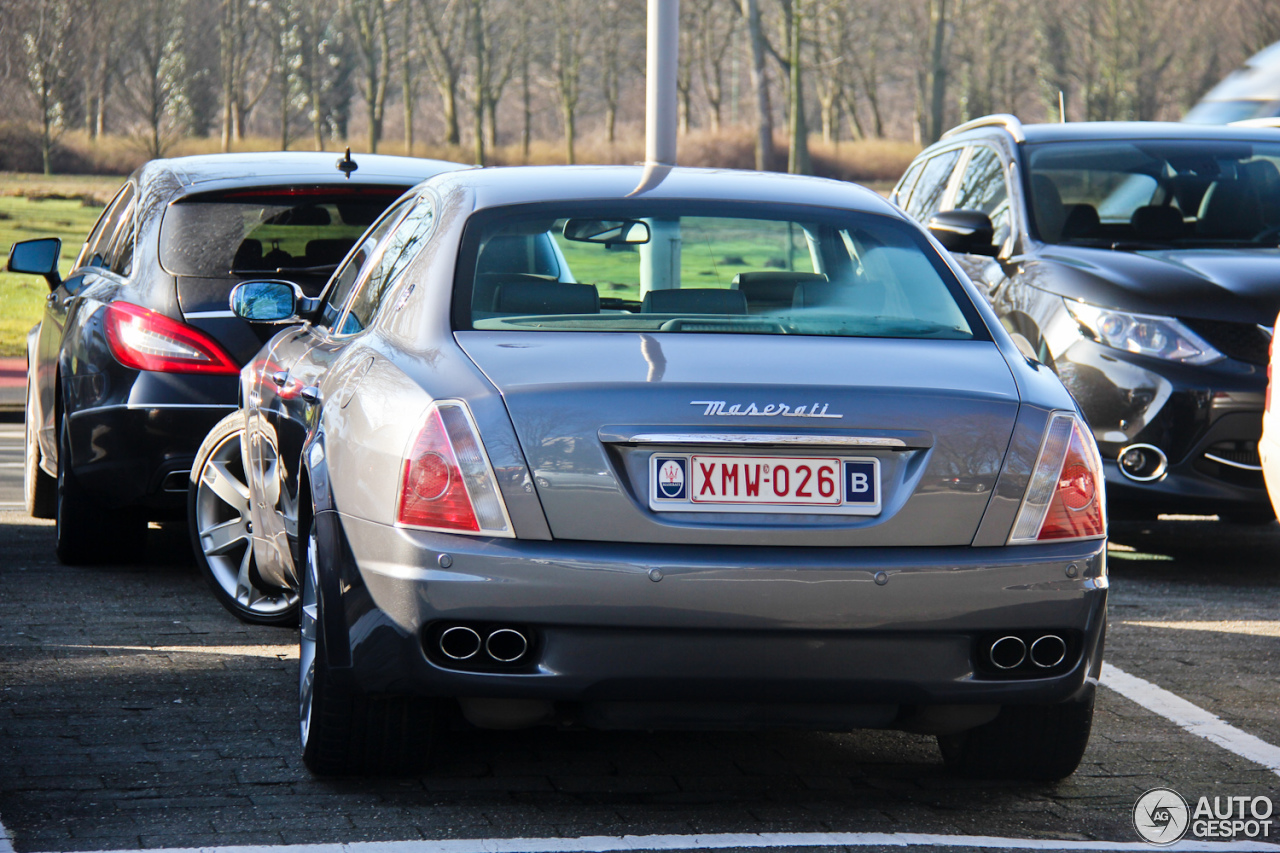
270	301
969	232
37	257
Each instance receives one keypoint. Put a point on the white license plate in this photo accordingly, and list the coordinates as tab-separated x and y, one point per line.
700	482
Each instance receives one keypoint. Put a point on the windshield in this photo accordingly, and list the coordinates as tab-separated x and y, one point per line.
263	232
632	267
1156	193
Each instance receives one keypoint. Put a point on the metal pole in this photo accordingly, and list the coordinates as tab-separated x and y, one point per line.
660	257
660	94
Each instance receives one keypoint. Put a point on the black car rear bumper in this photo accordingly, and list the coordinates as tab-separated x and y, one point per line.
138	453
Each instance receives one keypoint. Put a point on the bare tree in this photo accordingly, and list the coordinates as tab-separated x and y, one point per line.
154	73
444	51
715	27
571	19
372	39
47	48
760	83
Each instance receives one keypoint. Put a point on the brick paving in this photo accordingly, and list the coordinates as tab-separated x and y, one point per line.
136	713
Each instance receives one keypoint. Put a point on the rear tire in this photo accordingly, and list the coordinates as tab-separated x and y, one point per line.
1034	742
88	533
39	490
345	732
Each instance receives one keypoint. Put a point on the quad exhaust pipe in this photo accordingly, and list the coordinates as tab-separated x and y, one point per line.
498	645
1010	652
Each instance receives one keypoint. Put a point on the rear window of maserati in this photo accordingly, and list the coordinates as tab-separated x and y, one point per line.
262	232
706	269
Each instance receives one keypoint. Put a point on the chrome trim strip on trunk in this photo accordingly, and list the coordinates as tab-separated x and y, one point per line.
752	439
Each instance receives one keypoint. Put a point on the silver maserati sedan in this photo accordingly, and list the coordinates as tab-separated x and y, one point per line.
660	448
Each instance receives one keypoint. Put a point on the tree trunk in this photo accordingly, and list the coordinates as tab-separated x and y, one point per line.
449	111
569	131
406	79
798	150
938	68
759	80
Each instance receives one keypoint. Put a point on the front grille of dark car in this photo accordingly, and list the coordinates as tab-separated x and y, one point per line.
1241	341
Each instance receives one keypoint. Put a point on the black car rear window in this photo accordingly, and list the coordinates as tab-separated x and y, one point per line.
262	232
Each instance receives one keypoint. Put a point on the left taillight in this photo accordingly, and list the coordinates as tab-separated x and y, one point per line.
147	340
1066	497
447	483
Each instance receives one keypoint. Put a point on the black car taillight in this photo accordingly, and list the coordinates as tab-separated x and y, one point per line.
147	340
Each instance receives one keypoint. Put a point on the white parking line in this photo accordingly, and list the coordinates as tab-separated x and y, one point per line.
1193	718
773	840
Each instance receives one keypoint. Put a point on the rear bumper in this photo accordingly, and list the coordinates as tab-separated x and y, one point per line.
685	624
137	452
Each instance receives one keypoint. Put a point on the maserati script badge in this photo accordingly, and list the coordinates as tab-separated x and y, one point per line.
751	410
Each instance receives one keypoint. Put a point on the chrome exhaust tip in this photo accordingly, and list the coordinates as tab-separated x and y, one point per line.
459	643
506	645
1007	652
1048	651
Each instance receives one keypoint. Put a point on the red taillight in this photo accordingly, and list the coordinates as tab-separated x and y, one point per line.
147	340
447	483
1065	498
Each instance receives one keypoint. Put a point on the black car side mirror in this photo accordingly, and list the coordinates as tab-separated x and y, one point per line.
37	257
270	302
969	232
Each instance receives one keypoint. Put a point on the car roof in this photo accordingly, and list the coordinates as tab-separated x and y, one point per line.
1079	131
497	187
217	171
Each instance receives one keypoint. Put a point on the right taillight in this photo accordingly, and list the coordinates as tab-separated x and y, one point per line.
1065	498
447	483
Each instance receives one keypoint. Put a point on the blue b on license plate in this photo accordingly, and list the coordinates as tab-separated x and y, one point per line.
751	483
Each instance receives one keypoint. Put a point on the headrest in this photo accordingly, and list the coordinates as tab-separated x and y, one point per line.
1157	222
248	256
775	287
546	297
865	298
695	300
329	251
1046	201
1081	221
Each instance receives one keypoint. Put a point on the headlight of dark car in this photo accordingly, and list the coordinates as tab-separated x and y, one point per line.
1145	334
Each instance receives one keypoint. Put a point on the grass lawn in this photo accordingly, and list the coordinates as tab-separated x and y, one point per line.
63	206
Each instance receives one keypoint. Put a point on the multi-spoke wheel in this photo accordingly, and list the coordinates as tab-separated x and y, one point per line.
222	528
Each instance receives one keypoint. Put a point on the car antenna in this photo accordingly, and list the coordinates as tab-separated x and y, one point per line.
1062	113
346	165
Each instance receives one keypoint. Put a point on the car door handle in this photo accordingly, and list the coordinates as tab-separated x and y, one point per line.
311	394
281	378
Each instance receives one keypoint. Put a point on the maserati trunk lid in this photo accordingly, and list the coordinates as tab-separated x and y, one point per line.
769	440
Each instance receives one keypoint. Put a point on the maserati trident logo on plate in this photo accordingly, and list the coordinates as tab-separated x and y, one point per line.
671	477
751	410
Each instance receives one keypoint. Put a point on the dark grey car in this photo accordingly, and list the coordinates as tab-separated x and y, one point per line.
670	449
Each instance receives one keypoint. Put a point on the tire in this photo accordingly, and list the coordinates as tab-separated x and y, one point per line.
345	732
39	490
88	533
1033	742
221	531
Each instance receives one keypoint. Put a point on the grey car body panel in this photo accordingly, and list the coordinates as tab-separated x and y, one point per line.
769	608
725	622
561	387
